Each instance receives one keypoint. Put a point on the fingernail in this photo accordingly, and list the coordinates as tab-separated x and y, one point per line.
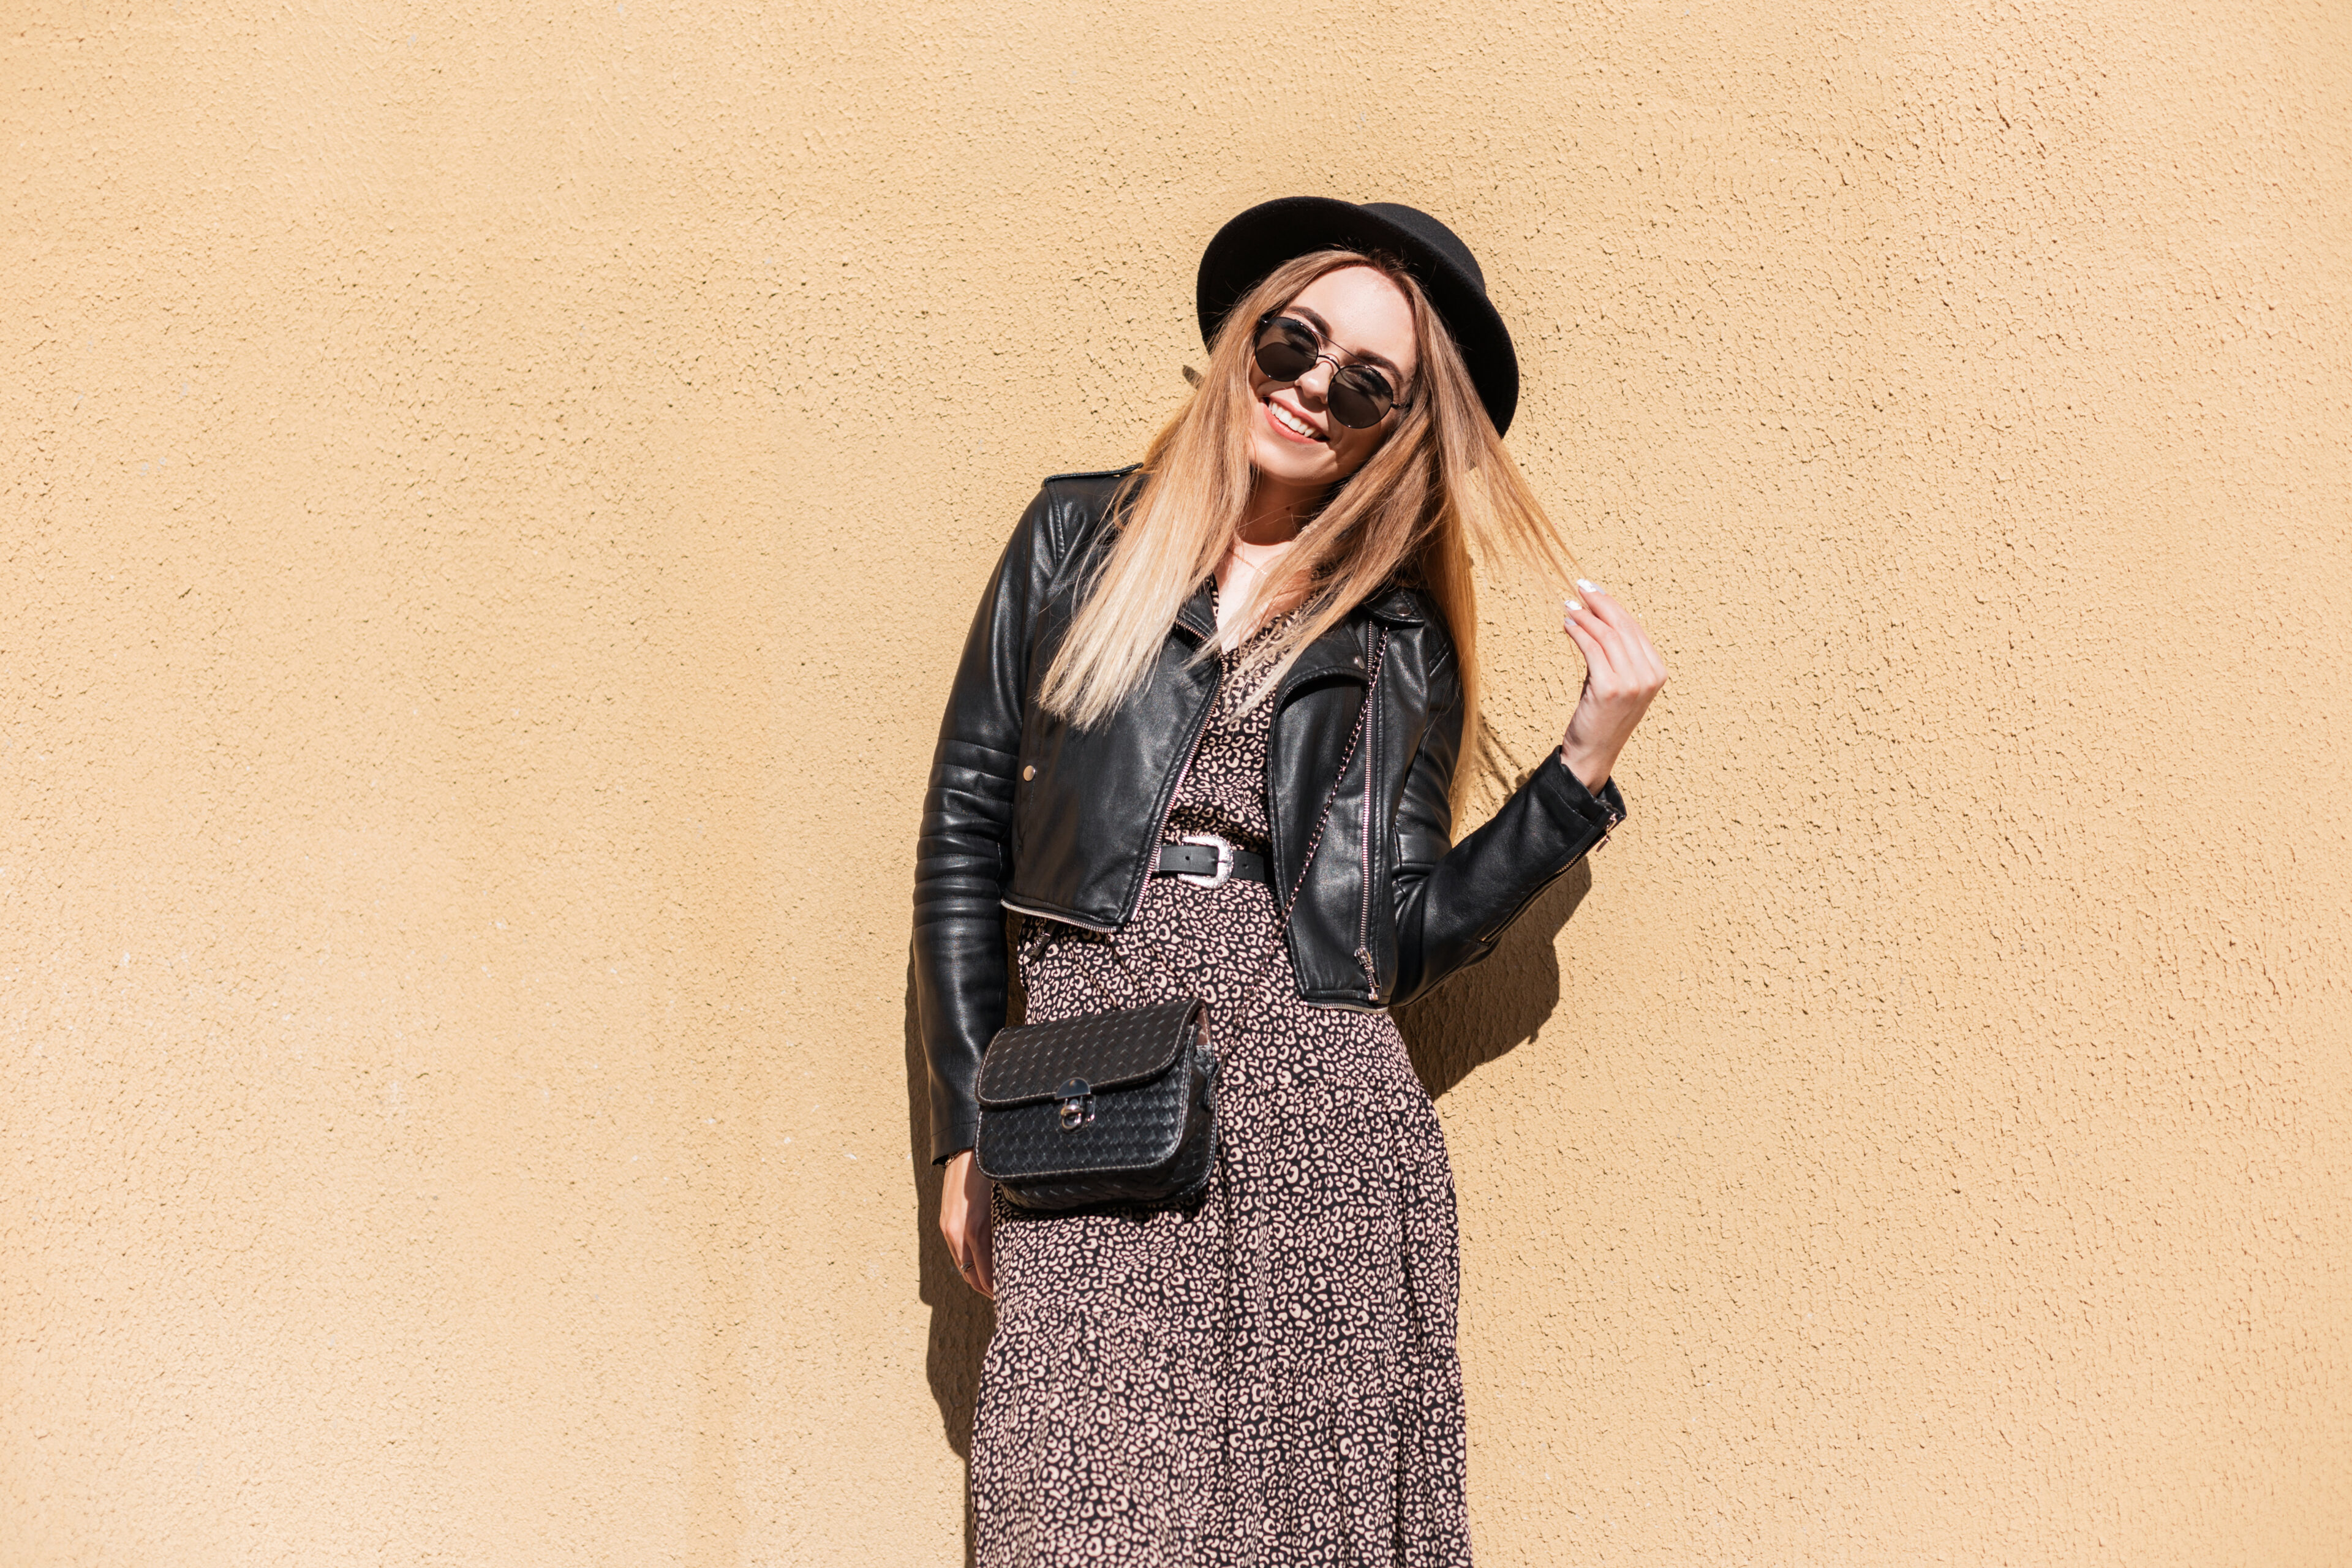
1588	586
1573	605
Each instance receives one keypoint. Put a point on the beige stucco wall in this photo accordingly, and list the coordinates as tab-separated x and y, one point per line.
492	494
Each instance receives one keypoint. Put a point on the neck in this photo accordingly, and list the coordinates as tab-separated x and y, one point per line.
1276	510
1274	514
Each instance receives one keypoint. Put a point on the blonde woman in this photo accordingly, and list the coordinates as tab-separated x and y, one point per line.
1167	670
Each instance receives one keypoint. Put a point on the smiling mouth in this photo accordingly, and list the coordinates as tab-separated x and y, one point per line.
1285	420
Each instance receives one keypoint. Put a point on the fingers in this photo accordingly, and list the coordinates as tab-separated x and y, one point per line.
971	1267
959	1247
1633	666
976	1258
1596	659
983	1271
1600	642
1608	621
1596	639
966	1219
1641	654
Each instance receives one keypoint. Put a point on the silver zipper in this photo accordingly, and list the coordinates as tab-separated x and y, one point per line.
1152	845
1056	916
1364	919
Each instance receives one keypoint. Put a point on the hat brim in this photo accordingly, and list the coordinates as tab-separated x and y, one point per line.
1262	239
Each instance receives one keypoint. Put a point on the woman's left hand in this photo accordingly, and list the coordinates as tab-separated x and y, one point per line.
1622	673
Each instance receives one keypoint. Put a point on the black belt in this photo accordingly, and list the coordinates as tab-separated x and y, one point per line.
1204	860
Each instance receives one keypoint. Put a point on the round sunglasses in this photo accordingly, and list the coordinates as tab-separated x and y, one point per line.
1358	397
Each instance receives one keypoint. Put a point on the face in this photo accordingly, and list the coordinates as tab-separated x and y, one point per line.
1294	438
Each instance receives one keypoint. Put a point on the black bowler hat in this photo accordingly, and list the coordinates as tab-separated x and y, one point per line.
1272	233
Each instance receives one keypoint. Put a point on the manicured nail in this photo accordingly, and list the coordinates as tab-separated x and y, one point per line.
1573	605
1588	587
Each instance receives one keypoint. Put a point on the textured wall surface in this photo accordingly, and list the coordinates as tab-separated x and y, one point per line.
492	497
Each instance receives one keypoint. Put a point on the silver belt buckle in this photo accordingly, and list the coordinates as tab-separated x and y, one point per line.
1224	872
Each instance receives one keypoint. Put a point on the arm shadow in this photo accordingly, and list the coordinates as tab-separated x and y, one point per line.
1479	1013
961	1318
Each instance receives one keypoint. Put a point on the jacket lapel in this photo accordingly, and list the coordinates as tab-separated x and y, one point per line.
1341	650
1337	652
1199	615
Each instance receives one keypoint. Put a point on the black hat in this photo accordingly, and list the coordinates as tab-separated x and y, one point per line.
1272	233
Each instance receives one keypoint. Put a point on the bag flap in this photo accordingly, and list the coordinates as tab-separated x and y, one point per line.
1032	1061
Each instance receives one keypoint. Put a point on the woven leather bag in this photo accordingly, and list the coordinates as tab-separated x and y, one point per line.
1102	1108
1116	1107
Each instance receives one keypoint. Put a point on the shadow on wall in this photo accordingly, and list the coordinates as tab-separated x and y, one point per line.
1467	1022
961	1318
1483	1012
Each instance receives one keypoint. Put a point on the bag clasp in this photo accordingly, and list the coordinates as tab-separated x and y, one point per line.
1077	1098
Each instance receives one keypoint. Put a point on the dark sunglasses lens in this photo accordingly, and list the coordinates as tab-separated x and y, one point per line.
1359	398
1286	351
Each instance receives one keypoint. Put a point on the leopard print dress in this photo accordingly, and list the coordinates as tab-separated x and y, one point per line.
1268	1379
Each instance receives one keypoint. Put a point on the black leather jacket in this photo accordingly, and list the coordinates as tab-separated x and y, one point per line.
1026	812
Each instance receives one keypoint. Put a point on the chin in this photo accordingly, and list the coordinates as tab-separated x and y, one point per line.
1289	463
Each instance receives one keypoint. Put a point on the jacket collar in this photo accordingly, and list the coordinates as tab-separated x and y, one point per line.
1340	651
1395	606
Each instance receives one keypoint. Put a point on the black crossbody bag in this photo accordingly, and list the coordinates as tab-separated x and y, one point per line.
1118	1106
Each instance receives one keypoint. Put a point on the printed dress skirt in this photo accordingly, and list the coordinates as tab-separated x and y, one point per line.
1268	1379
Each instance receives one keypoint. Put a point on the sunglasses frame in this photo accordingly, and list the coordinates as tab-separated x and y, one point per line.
1338	370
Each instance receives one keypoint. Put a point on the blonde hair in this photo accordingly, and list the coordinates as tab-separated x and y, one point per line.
1441	483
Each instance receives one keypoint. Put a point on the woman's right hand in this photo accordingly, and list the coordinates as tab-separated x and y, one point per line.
966	1219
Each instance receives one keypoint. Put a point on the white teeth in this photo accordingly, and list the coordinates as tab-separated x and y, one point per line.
1290	424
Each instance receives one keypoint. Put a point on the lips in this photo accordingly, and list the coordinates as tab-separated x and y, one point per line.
1293	425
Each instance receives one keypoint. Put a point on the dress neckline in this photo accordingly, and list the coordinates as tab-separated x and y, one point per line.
1262	629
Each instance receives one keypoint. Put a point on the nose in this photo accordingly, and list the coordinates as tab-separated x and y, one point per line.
1316	378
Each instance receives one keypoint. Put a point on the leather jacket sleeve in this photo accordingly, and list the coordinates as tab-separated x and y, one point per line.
964	858
1454	900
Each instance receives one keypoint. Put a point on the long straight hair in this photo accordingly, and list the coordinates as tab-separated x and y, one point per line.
1441	484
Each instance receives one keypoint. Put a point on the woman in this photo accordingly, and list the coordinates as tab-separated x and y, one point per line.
1139	759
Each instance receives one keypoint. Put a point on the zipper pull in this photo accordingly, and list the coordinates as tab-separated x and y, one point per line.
1364	962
